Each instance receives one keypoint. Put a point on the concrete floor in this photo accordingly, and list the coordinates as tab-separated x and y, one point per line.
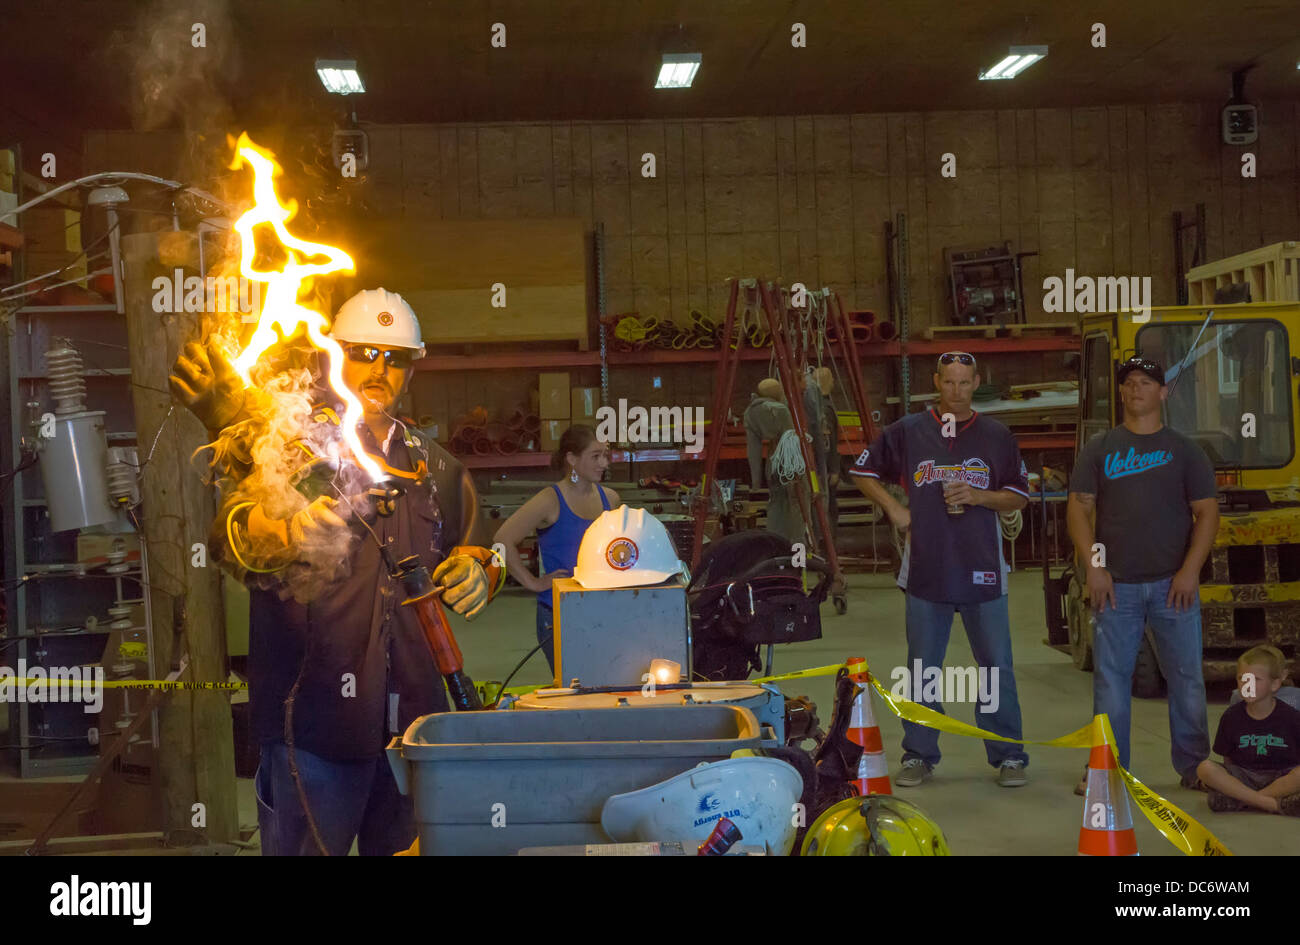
977	816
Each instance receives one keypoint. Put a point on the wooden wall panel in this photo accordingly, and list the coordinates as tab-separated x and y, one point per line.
805	198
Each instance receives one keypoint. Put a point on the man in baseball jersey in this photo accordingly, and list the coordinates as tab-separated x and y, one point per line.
959	470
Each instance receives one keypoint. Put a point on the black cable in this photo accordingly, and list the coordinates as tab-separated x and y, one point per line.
293	758
293	695
520	665
29	458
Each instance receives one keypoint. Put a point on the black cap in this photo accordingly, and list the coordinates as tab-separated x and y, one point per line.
1150	368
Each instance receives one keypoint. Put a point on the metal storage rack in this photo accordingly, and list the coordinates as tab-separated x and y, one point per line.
59	611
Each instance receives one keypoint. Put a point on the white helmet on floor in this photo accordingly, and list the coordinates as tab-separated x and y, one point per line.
756	794
625	548
377	317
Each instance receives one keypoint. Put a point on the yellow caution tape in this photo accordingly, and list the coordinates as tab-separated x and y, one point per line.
125	683
801	674
1174	824
134	651
1178	827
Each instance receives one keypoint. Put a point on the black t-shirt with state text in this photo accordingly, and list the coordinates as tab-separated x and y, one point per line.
1144	483
951	559
1267	744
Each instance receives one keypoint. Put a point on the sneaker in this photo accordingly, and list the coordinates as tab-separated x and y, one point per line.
1223	804
1290	805
913	773
1081	788
1012	774
1192	782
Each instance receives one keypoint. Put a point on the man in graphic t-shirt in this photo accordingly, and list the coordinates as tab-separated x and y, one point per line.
1152	494
960	470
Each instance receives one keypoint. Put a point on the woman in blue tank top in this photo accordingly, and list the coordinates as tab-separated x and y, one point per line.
560	515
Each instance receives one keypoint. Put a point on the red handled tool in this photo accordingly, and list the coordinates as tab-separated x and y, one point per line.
422	594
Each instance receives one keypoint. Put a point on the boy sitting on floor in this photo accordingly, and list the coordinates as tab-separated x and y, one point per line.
1259	739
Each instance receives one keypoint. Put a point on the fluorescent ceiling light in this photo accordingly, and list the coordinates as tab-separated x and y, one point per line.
678	70
1017	60
340	76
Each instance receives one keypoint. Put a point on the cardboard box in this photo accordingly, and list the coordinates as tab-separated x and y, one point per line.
583	404
553	396
552	430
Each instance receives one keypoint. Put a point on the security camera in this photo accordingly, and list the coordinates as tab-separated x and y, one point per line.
1240	118
1240	124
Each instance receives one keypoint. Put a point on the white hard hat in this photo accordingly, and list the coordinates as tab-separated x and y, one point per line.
625	548
756	794
377	317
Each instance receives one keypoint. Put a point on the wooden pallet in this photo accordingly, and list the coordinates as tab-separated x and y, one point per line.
1000	331
1273	273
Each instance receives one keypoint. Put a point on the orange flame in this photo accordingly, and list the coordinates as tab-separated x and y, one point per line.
281	307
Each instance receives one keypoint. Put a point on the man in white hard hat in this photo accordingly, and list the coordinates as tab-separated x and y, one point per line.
350	663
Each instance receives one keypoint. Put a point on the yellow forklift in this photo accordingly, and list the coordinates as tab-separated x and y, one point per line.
1232	371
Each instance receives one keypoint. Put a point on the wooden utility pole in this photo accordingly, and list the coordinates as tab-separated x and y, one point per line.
196	756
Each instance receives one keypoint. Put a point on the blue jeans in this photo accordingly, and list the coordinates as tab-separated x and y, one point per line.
1117	635
348	800
988	629
545	627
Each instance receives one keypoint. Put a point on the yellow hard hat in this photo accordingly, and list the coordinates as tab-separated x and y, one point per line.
876	825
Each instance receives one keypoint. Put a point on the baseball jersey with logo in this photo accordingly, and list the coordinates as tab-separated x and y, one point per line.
951	559
1143	483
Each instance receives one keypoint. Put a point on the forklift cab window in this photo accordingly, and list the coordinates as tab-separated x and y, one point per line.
1237	368
1095	399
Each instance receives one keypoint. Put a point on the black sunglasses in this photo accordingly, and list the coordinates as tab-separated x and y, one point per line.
959	356
1143	363
366	354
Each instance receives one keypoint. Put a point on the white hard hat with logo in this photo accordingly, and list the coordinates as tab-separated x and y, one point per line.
377	317
625	548
756	794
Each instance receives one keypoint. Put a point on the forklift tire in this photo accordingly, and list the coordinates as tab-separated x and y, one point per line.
1148	683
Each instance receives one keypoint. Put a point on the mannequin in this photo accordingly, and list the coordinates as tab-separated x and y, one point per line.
767	420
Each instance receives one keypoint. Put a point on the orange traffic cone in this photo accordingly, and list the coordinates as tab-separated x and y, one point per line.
873	769
1107	824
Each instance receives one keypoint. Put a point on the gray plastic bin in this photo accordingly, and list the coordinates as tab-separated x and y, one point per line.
552	771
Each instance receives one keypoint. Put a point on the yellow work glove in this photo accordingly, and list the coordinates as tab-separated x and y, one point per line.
204	380
465	585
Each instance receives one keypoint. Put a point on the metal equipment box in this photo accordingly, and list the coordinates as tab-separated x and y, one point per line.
608	637
492	783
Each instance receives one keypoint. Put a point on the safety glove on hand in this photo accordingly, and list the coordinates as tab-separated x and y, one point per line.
465	585
204	380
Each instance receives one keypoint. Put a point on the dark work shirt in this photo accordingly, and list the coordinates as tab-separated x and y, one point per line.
358	630
952	559
1144	484
1268	744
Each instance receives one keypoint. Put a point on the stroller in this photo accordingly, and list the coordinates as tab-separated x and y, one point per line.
747	594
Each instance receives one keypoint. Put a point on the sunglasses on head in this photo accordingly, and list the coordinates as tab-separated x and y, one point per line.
961	357
1143	364
1140	362
366	354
